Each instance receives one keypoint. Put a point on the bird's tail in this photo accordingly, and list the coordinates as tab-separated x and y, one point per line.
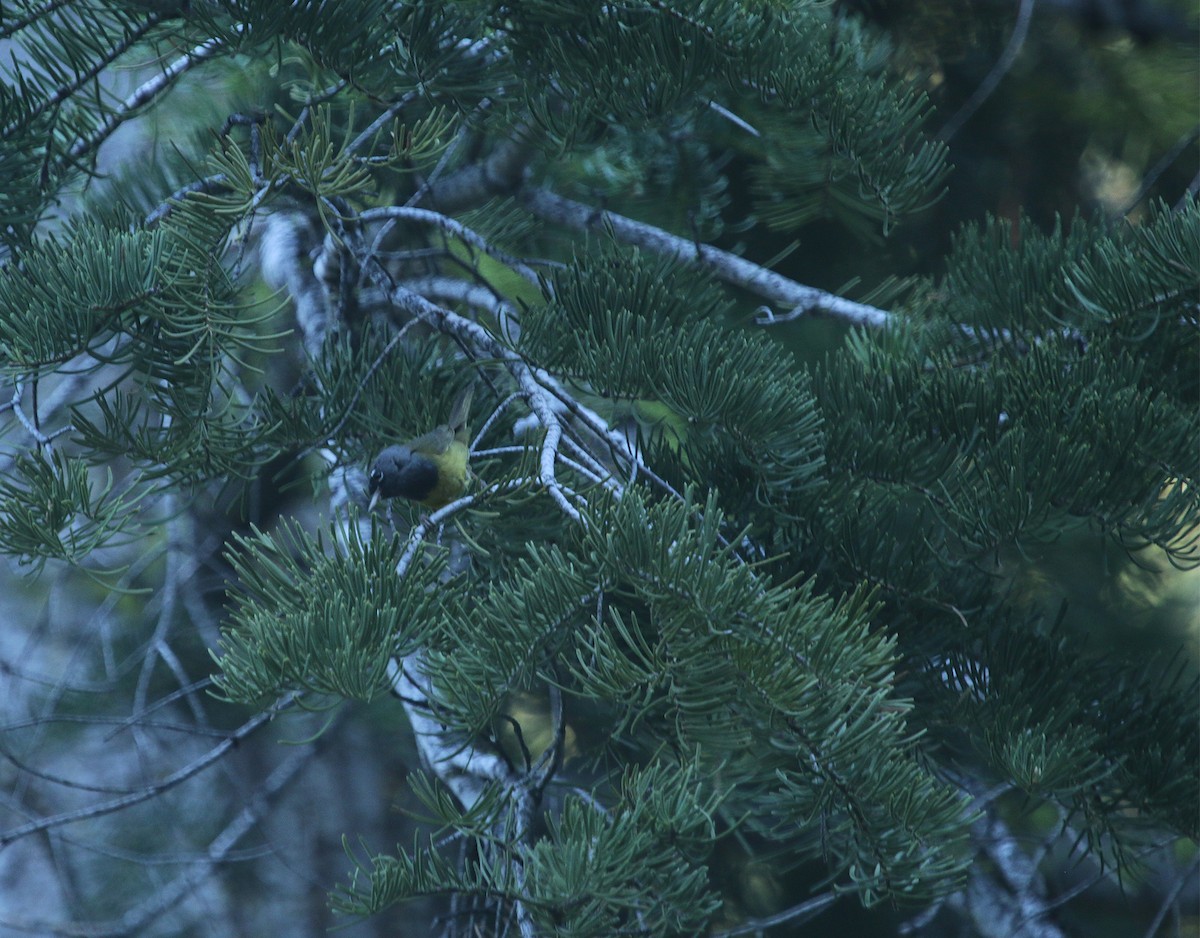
459	411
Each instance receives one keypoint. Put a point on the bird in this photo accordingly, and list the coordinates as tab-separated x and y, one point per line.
431	469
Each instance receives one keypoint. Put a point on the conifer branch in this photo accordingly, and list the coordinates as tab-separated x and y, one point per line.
145	94
500	173
1014	906
801	300
452	228
484	345
467	769
31	426
67	89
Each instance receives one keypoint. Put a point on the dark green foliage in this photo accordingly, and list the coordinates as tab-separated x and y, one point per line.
54	509
1055	429
950	449
73	295
841	137
1117	746
358	394
678	646
570	57
858	159
577	878
354	45
431	61
1130	287
50	115
630	328
351	601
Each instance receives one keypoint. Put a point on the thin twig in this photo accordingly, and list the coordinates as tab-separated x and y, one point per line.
149	791
1159	168
452	227
795	914
994	77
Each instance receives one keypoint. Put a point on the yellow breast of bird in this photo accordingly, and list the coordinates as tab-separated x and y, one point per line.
452	476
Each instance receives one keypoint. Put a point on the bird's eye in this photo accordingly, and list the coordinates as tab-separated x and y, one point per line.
376	477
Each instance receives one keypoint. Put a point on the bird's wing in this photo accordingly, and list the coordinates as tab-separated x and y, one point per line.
433	443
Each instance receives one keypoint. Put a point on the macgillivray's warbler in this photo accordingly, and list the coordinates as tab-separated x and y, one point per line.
432	469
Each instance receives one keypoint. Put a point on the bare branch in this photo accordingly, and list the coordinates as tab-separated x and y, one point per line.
801	300
454	228
149	791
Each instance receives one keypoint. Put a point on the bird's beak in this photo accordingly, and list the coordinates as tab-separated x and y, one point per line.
373	502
